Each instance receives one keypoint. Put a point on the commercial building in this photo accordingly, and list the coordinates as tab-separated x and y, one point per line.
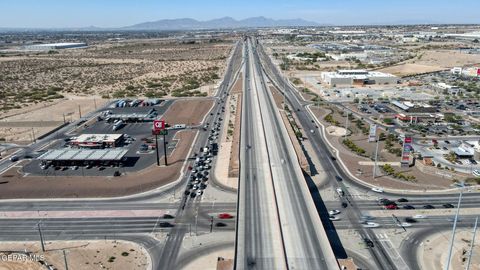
97	140
54	46
357	77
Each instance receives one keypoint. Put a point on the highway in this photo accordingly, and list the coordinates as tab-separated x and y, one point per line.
322	152
276	214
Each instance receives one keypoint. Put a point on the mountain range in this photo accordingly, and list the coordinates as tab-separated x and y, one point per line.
221	23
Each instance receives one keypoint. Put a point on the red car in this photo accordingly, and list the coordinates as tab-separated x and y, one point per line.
391	206
224	216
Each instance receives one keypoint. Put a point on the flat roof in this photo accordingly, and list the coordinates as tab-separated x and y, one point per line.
83	154
97	138
58	44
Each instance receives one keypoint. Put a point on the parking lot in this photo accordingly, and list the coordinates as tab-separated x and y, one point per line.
138	141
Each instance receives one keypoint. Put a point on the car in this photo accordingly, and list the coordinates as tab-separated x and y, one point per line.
199	192
344	204
14	158
391	207
165	225
333	218
408	207
340	191
168	216
429	206
220	224
193	195
410	220
448	205
366	218
187	192
224	216
402	200
419	216
74	168
338	178
404	224
333	158
369	224
334	212
379	190
368	242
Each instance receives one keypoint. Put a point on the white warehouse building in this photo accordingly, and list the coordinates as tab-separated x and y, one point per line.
357	77
54	46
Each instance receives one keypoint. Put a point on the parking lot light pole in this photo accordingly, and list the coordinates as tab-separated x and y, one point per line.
472	245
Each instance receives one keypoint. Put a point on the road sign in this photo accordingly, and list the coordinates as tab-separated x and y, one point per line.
158	125
372	136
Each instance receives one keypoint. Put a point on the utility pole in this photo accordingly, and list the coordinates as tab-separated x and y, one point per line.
41	236
95	103
376	159
65	259
452	239
472	245
64	118
79	112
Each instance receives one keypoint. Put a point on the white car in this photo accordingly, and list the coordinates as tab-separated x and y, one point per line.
333	218
199	192
379	190
419	217
371	225
340	192
404	224
333	212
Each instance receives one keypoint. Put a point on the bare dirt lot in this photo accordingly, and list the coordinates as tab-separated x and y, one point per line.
20	125
108	254
431	61
188	111
152	68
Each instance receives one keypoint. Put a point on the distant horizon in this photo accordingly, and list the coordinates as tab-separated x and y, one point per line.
319	24
54	14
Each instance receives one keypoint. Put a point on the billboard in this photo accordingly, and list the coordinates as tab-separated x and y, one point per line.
372	135
406	151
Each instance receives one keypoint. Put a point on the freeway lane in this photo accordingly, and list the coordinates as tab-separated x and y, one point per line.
258	239
304	239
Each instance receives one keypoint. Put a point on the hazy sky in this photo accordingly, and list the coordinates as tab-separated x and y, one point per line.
114	13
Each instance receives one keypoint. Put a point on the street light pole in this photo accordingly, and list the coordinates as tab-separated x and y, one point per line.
452	239
472	245
165	147
41	236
